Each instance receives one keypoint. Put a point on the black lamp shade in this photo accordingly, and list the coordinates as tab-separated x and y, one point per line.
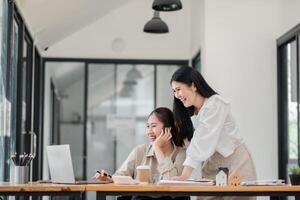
156	25
166	5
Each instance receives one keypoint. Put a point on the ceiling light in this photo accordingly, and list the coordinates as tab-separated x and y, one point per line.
131	80
156	25
133	74
166	5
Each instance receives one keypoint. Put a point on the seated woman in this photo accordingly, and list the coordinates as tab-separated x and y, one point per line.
164	154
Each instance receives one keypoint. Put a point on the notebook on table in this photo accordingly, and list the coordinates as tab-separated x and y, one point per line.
61	167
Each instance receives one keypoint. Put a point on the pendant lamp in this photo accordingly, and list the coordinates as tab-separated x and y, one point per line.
156	25
166	5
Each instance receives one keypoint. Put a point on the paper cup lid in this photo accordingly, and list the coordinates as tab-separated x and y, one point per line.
143	167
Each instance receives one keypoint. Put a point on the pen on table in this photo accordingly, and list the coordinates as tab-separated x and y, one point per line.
105	174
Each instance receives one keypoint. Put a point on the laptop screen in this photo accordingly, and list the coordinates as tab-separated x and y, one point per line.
60	164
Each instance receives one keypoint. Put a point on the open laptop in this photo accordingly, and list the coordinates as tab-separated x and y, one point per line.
61	167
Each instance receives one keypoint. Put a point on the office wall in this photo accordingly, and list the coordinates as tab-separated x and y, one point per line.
119	34
289	15
239	60
197	23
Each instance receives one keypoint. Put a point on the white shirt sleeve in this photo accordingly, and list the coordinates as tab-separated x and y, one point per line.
207	133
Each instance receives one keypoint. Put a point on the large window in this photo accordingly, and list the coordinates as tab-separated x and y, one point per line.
5	101
293	103
15	86
288	101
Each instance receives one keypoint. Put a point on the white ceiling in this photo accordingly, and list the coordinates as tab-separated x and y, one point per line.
53	20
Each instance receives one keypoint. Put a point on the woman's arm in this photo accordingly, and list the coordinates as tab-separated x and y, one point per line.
186	174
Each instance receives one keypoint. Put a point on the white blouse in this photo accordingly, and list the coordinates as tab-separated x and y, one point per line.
215	130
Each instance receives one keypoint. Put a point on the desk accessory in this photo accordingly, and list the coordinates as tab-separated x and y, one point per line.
234	179
21	169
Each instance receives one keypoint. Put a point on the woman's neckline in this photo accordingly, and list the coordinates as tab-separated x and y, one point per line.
198	111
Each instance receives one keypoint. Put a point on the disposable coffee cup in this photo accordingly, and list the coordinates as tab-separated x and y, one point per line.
143	174
21	174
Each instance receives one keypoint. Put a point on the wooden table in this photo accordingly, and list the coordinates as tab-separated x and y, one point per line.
274	192
104	190
35	189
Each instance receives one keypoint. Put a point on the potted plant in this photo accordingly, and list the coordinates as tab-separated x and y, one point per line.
295	175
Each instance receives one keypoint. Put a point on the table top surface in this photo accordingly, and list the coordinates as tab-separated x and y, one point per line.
189	188
37	187
40	187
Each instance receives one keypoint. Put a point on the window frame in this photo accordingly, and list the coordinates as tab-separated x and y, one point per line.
38	115
196	61
283	150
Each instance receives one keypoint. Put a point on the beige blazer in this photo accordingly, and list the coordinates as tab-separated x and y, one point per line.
144	155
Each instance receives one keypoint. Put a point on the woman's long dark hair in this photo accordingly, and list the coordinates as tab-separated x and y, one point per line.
165	116
188	76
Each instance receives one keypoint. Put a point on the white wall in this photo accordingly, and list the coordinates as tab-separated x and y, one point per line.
239	61
123	28
289	15
197	24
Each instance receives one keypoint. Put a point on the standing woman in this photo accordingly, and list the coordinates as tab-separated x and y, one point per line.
210	127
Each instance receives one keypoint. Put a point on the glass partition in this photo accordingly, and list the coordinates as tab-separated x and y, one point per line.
164	94
101	103
135	100
293	118
4	102
64	110
24	92
13	88
119	99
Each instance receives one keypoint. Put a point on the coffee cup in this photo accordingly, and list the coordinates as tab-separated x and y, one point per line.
143	173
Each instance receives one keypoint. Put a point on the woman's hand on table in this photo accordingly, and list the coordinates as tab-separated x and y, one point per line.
178	178
186	173
102	176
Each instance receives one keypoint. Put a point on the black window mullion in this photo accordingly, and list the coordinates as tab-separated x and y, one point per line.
155	85
19	139
29	65
86	76
9	47
8	90
298	95
37	120
28	92
282	112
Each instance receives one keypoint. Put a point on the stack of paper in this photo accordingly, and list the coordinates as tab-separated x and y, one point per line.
263	182
187	182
